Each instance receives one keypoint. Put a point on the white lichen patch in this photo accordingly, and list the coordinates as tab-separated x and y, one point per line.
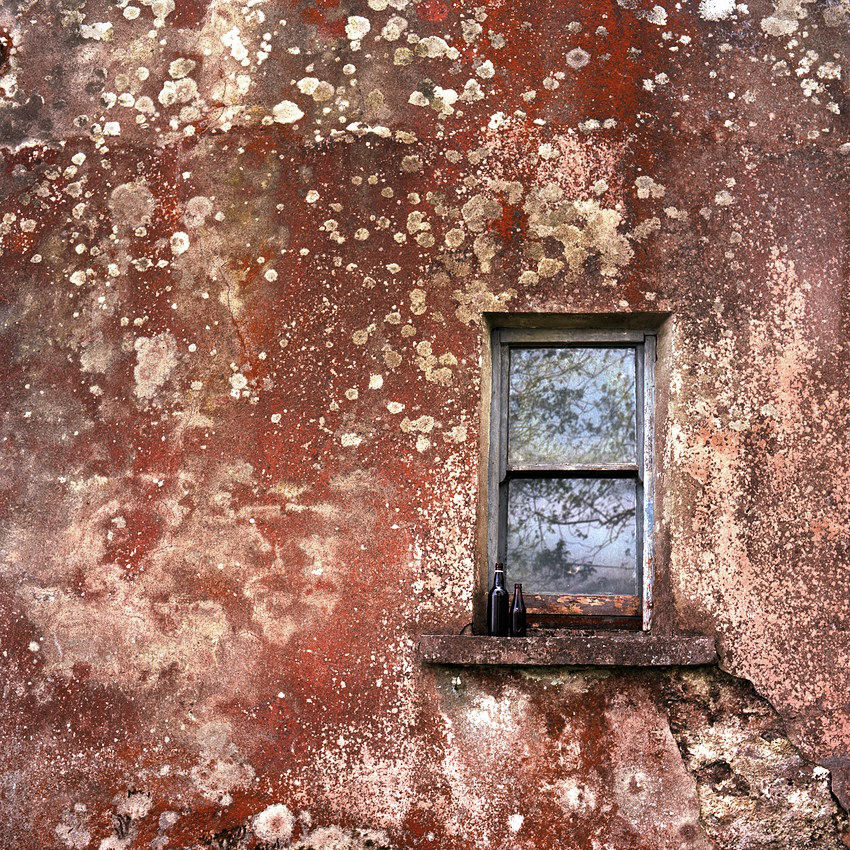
435	47
583	229
437	370
480	210
181	67
98	31
336	838
786	17
577	58
156	357
72	830
394	28
286	112
574	796
647	187
424	424
357	27
177	91
198	209
318	89
716	10
221	769
492	714
274	824
179	243
238	382
131	205
134	804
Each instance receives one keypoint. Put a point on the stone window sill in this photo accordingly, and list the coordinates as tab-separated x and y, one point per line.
572	648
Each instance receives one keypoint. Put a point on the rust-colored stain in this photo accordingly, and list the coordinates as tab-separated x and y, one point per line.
245	252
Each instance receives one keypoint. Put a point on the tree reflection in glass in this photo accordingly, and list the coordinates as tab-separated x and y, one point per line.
571	405
573	535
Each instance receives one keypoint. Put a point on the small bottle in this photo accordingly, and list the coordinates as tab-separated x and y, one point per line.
498	621
518	613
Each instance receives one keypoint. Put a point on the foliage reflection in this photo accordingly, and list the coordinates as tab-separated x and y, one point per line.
573	536
572	405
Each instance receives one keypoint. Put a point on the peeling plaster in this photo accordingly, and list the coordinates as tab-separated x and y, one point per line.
246	250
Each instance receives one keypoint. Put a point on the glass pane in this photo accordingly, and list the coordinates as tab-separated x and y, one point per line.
572	405
573	535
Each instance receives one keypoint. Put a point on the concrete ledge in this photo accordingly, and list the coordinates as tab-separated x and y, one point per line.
608	649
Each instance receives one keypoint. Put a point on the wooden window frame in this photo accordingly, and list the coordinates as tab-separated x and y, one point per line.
559	610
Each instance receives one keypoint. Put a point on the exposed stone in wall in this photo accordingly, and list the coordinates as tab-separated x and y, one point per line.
689	760
755	789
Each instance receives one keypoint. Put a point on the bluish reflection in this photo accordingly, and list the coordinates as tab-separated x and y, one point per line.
573	535
572	405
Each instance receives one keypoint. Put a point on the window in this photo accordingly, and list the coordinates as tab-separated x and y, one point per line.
570	497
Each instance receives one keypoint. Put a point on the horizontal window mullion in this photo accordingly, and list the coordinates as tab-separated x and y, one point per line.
618	470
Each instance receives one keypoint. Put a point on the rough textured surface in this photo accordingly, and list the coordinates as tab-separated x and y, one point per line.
755	790
609	649
245	249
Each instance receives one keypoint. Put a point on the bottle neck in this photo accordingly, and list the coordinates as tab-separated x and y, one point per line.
499	578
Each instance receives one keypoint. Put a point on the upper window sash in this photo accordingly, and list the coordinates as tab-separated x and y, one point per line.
604	382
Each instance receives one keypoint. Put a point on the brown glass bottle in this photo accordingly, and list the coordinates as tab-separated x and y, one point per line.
518	613
498	619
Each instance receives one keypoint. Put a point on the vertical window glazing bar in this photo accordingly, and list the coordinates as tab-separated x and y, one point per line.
647	448
498	400
640	396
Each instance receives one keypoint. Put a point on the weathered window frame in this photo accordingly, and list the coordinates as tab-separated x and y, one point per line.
631	612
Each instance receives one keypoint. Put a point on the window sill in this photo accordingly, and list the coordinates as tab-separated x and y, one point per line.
609	649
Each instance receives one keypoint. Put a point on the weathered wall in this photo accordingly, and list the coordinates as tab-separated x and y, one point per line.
245	250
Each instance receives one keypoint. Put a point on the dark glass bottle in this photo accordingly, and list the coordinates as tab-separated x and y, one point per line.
518	613
498	620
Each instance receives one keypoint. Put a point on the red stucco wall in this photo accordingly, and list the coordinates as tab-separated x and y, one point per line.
241	386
